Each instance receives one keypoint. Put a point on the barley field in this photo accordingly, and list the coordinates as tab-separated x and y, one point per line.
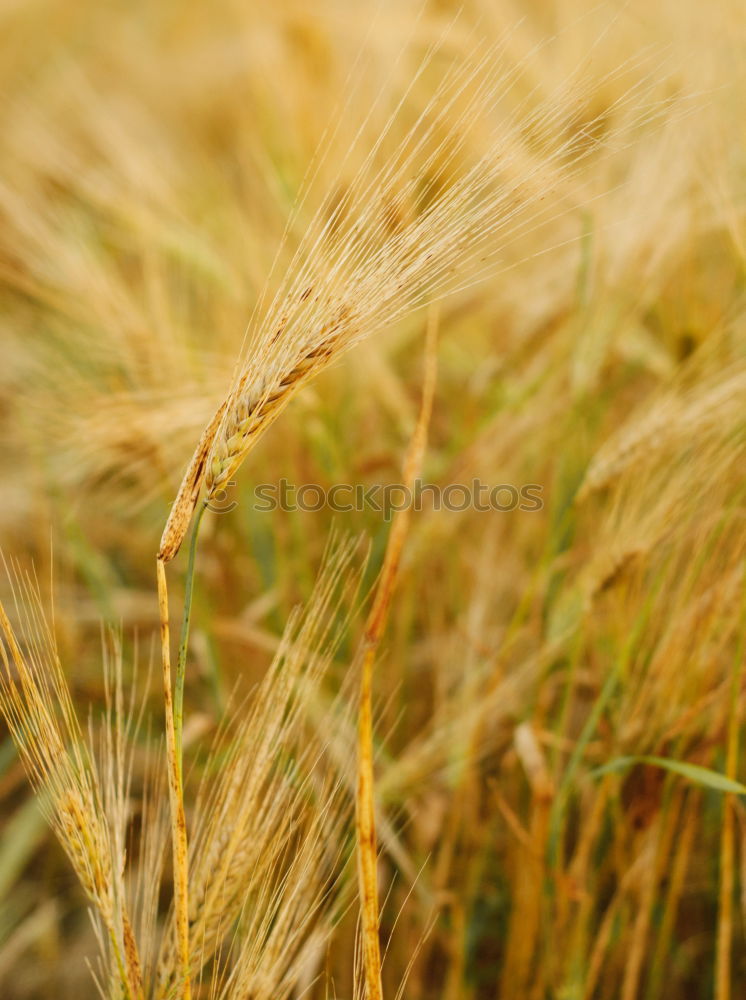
373	522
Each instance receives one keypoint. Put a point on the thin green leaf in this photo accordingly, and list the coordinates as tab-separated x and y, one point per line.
692	772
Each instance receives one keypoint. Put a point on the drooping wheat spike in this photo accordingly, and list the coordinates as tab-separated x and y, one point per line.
671	421
270	821
648	468
410	225
85	808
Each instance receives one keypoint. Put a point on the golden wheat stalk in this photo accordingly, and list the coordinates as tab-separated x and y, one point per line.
179	848
425	224
270	819
367	851
269	832
35	701
724	941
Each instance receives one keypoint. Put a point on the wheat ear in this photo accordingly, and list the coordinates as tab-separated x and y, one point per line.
36	703
364	264
189	490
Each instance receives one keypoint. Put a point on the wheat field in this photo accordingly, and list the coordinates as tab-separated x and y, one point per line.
373	535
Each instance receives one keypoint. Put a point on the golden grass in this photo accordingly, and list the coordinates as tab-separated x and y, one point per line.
567	185
36	704
267	849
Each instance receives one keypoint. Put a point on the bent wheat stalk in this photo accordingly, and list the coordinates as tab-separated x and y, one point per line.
425	224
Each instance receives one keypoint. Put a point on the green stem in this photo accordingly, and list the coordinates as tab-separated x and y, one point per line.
184	640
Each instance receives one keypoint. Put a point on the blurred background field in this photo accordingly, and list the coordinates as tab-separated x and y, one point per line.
151	154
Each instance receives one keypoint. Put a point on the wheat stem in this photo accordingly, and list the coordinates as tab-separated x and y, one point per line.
366	833
724	941
175	795
365	798
184	640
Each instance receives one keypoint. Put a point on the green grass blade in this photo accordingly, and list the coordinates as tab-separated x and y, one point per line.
695	773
